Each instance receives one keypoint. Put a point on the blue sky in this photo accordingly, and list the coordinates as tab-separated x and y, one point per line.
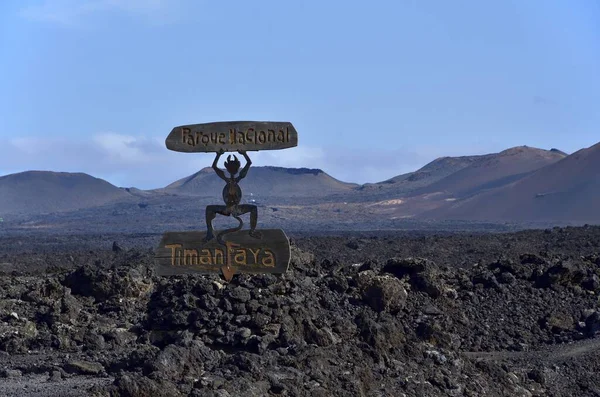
374	88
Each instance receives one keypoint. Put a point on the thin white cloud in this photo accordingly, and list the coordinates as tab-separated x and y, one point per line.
122	148
74	12
297	157
26	145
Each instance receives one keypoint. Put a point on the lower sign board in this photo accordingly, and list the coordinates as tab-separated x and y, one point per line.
188	252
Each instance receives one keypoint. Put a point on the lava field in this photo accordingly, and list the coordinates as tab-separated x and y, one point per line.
363	314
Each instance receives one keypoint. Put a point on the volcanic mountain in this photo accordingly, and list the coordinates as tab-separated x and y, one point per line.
450	178
428	174
567	190
34	192
264	181
493	170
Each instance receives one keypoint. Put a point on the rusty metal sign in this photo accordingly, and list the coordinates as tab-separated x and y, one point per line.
231	136
233	250
191	252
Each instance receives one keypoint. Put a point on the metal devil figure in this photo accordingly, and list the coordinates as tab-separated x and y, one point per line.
232	195
233	250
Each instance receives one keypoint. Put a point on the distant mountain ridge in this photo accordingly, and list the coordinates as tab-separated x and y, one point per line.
492	170
264	181
454	177
566	190
520	184
430	173
45	191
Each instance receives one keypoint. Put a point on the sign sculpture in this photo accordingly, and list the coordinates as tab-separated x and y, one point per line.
233	250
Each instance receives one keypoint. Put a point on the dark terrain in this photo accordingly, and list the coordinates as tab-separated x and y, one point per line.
357	314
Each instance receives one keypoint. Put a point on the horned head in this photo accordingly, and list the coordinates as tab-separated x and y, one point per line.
232	165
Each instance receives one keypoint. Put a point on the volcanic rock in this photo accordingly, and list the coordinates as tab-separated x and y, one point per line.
504	321
382	293
83	367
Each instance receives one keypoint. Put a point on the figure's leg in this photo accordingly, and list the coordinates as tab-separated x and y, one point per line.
253	219
253	210
211	214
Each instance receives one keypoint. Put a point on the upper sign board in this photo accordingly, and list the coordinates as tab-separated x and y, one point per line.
232	136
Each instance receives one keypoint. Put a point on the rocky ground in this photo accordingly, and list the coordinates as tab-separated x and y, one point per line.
363	314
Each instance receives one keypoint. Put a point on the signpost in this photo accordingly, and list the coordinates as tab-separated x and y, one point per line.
234	250
232	136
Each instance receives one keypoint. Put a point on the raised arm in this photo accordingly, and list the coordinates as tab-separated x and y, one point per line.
219	171
244	171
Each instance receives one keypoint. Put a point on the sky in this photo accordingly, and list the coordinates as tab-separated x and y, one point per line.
374	88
